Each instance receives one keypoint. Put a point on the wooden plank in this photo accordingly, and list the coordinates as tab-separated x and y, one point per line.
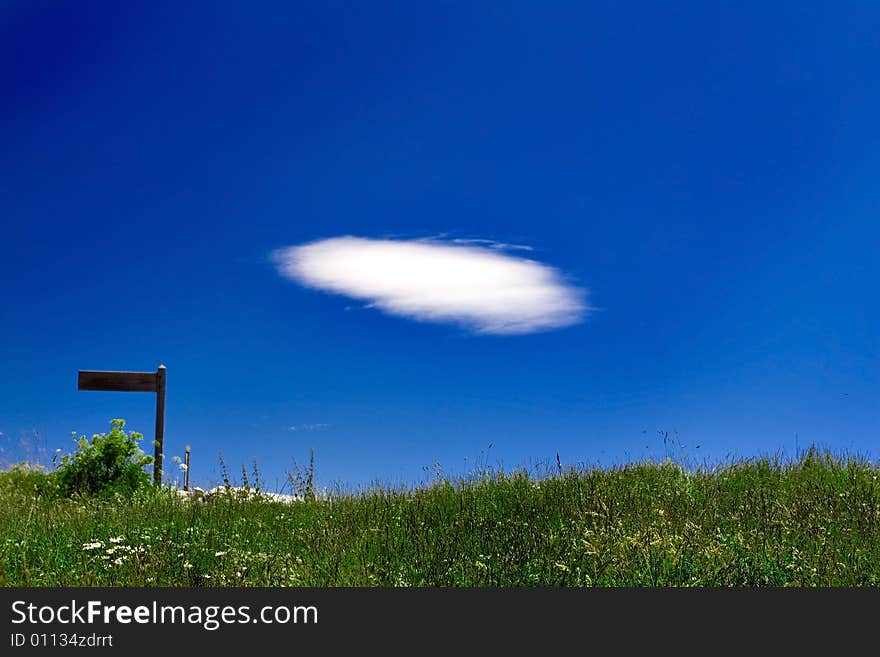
123	381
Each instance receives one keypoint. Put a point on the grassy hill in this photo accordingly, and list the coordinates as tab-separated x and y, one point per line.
811	522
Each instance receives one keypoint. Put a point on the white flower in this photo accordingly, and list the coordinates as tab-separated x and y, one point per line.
92	546
118	539
220	553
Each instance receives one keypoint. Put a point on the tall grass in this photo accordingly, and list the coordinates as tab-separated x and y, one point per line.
814	521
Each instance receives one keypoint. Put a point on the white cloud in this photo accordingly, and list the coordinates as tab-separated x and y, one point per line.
483	289
319	426
492	244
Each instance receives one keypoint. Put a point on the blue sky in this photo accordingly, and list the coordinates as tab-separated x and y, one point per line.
703	178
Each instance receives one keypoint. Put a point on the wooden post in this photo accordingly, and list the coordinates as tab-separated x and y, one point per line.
186	469
160	425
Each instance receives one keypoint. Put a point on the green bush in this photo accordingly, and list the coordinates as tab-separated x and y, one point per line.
30	480
110	464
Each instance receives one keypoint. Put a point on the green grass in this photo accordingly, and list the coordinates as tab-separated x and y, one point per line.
763	522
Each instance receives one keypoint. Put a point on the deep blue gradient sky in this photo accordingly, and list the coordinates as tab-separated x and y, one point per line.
709	174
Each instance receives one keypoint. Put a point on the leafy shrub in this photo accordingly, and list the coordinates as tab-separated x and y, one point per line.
111	463
30	480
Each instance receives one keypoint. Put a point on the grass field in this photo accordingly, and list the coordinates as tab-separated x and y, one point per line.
814	521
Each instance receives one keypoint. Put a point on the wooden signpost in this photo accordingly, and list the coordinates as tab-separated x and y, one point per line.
134	382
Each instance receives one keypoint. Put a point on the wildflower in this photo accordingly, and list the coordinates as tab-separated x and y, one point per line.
220	553
118	539
92	546
187	564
